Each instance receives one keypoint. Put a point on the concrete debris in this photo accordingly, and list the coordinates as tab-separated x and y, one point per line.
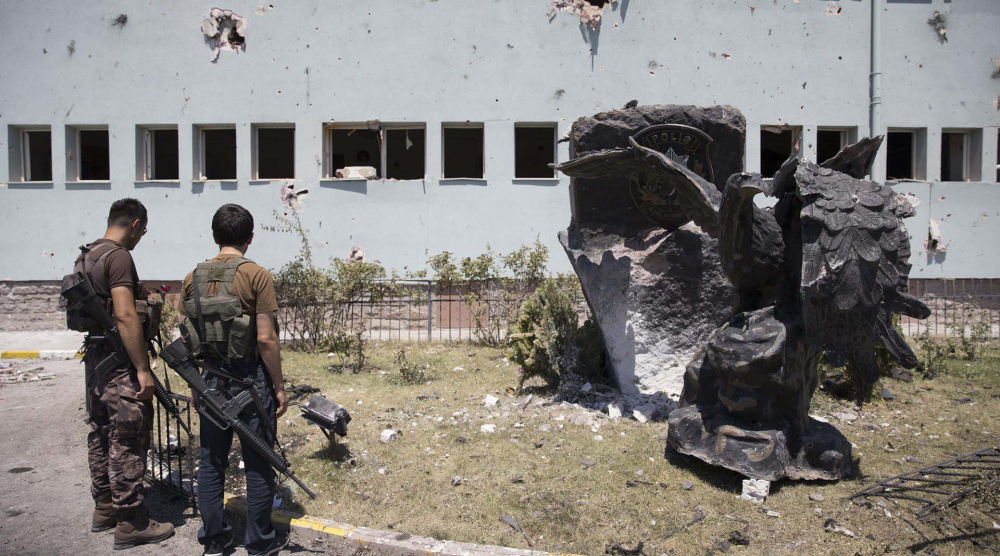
456	481
833	8
846	416
644	413
938	22
687	485
590	11
13	375
887	395
615	410
357	255
388	435
755	490
488	429
834	527
224	30
356	173
772	513
291	198
816	497
933	244
491	401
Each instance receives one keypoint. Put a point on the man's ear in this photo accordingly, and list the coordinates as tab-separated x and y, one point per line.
249	241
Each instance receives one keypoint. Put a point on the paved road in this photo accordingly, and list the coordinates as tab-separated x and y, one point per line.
45	504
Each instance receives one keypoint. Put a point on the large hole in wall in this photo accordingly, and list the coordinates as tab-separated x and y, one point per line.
405	154
95	162
275	153
164	155
463	152
900	154
534	150
38	155
220	154
355	147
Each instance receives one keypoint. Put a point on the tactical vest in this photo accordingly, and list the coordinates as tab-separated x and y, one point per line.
215	325
91	266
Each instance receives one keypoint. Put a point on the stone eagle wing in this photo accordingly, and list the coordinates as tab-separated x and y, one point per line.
855	254
698	198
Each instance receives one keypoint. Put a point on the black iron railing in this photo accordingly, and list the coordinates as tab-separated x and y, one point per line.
172	455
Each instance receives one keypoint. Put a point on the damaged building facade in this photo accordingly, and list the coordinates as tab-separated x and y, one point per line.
426	126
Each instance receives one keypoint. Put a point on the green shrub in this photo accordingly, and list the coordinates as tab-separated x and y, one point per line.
543	339
409	373
972	334
934	351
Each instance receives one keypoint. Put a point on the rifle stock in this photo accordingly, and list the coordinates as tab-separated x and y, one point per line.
82	296
222	410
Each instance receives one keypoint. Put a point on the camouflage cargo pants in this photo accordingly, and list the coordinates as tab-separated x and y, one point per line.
120	432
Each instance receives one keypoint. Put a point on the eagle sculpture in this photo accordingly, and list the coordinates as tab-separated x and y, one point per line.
822	272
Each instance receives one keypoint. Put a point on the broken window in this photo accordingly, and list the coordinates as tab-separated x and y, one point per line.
534	150
463	152
955	156
829	142
354	152
93	155
404	153
776	145
218	154
900	156
158	158
36	151
274	150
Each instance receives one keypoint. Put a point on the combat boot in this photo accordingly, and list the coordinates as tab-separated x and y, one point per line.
104	514
135	528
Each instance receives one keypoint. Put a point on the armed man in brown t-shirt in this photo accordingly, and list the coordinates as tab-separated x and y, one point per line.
245	347
119	406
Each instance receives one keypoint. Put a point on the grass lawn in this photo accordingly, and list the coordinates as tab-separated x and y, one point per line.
575	480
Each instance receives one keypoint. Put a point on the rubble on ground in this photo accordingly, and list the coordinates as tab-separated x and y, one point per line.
12	374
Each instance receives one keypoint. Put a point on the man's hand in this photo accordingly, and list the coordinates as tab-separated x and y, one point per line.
282	402
145	385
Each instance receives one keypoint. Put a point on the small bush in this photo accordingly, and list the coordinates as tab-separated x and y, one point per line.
409	373
543	340
972	334
934	351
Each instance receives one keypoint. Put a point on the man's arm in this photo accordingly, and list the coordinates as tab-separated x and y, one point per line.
270	352
130	330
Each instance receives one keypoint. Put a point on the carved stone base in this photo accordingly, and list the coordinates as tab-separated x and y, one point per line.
714	437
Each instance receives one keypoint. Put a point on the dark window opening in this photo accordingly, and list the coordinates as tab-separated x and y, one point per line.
38	165
775	148
463	152
404	155
828	144
94	154
220	153
355	147
953	156
899	155
275	153
534	150
164	152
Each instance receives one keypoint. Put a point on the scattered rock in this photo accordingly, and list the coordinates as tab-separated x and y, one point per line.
846	416
721	545
901	374
615	410
524	401
755	490
773	513
456	481
816	497
887	395
687	485
588	463
644	413
388	435
488	429
491	401
461	440
739	539
834	527
517	479
458	369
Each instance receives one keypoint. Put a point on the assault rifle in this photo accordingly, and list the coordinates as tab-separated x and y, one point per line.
81	296
223	409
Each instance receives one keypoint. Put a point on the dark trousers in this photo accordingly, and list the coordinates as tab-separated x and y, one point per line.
260	477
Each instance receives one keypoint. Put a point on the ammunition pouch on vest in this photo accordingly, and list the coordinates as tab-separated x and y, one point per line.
216	326
93	260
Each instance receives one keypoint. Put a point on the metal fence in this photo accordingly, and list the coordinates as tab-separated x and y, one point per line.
171	457
422	310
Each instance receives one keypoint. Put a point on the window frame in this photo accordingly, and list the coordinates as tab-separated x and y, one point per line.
328	169
201	129
384	147
845	137
463	125
78	158
255	149
145	173
966	155
554	126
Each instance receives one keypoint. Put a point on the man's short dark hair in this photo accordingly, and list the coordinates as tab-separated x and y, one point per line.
126	211
232	226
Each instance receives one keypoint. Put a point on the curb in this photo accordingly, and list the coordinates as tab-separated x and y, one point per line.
376	542
40	354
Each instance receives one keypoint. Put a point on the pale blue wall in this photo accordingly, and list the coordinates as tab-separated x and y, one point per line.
449	60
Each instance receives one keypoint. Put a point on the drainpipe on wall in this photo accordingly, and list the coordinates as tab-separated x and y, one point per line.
875	91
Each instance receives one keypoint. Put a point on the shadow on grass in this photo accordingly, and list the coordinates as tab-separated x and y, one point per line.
335	452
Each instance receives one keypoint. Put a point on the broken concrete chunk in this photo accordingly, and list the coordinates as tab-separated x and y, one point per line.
615	410
491	401
590	11
644	413
488	429
224	30
755	490
834	527
356	173
388	435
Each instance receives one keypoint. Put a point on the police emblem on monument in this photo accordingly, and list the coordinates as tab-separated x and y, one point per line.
682	144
